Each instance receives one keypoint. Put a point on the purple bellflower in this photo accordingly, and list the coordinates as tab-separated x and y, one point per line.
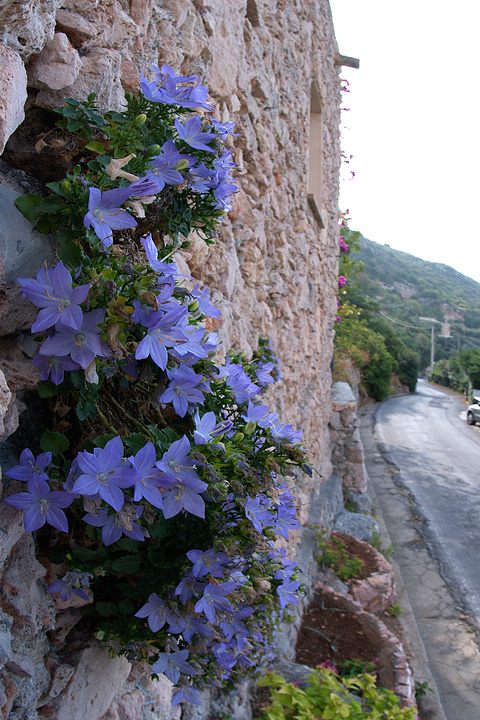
203	299
286	521
54	367
214	598
287	593
207	562
149	478
152	255
206	427
83	345
184	495
72	583
192	348
240	383
104	472
163	89
193	626
157	612
224	128
105	214
256	510
115	524
173	664
163	167
192	134
30	467
186	693
177	463
182	391
187	588
60	302
41	505
200	178
160	337
263	373
255	413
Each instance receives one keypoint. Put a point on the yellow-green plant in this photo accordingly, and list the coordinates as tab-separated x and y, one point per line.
334	554
330	698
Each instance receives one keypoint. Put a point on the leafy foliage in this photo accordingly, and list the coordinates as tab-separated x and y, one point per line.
162	471
334	554
363	336
330	697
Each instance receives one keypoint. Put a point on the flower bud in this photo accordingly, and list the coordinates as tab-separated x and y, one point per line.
140	120
193	306
238	437
154	149
249	427
181	165
66	185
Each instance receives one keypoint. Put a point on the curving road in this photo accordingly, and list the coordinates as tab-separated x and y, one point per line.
424	465
438	455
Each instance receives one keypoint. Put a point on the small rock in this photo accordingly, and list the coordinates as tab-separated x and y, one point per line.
57	66
360	526
13	93
21	666
76	27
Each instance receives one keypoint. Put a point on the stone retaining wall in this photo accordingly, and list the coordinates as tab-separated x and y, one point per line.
347	450
272	272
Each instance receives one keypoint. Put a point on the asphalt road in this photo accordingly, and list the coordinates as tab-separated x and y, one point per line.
424	465
427	438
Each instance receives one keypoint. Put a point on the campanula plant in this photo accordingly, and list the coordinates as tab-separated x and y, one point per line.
163	495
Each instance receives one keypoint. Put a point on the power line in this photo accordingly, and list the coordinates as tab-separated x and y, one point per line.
404	324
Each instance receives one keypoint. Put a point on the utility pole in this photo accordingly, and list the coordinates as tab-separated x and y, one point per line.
432	346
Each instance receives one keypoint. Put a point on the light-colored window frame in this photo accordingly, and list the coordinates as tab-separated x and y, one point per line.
315	155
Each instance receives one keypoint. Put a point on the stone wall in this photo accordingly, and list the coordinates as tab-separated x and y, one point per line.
272	271
347	449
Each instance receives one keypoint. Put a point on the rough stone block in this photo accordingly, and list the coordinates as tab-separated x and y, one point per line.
5	637
348	416
26	25
57	66
77	28
342	396
22	249
360	526
13	93
100	73
91	691
354	452
5	398
335	421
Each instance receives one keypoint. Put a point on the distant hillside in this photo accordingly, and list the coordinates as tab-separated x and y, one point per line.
407	288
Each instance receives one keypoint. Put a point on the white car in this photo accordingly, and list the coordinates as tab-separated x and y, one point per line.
473	412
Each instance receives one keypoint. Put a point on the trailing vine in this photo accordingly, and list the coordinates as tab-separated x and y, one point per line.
159	488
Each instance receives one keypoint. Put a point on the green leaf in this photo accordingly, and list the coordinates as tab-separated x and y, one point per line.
84	554
106	608
68	112
28	205
159	529
127	544
102	440
70	253
47	389
129	564
95	146
53	442
126	607
86	410
135	442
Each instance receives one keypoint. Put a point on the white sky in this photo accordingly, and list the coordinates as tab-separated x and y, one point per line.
414	128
